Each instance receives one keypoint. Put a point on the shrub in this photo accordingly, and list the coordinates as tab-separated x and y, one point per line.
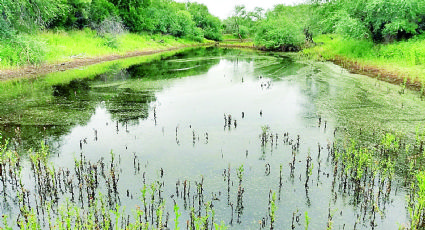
21	49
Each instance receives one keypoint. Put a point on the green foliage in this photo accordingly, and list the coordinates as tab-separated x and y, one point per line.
28	16
108	17
210	24
351	27
239	172
242	33
78	14
307	220
221	226
21	49
417	212
273	209
408	56
379	20
242	24
100	10
178	214
182	24
282	29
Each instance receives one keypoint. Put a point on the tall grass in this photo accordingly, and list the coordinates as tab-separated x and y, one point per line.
21	49
60	46
404	57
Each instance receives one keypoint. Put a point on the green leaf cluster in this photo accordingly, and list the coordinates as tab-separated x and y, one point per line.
108	17
283	29
379	20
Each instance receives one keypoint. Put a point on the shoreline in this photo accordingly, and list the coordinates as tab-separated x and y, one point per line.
354	67
377	72
32	71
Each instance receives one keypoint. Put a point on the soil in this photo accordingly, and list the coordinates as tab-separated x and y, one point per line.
34	71
378	73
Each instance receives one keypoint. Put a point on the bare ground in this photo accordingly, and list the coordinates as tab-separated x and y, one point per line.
33	71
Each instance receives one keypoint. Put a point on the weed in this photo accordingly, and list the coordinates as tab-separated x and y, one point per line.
272	209
240	173
178	214
417	211
307	220
406	55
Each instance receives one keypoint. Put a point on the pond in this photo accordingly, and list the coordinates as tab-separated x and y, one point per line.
238	138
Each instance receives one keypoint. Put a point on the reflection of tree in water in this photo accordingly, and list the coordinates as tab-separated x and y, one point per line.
130	100
172	67
51	112
24	137
129	105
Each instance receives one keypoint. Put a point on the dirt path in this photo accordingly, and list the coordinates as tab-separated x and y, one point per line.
33	71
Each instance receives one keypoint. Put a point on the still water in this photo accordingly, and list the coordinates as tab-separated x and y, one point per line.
223	127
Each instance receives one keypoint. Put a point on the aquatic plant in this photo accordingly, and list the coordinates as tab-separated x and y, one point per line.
239	173
417	210
178	214
307	220
272	209
265	129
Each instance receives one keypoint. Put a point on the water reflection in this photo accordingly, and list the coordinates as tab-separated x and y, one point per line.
230	129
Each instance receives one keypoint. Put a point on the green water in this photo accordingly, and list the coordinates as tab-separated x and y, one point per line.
167	121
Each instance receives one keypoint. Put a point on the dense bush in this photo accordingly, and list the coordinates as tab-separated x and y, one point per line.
381	21
154	16
101	10
283	29
243	24
21	49
210	24
108	17
29	16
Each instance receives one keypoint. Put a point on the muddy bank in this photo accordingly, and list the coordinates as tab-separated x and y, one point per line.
377	72
33	71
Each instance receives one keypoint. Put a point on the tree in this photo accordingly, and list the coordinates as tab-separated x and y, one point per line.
210	24
101	10
379	20
28	16
284	28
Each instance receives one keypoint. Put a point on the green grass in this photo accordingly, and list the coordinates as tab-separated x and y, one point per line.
79	44
229	37
21	49
20	88
405	57
59	46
